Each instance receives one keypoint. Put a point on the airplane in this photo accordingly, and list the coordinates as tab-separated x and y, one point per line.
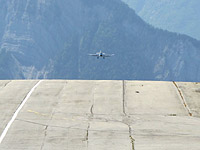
101	54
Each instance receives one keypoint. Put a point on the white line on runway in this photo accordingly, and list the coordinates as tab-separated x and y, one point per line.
17	111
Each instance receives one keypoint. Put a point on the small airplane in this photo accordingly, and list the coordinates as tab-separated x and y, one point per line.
101	54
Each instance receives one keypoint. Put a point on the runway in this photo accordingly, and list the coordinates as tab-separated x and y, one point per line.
100	115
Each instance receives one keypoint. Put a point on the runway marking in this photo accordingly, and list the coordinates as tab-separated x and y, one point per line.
17	111
35	112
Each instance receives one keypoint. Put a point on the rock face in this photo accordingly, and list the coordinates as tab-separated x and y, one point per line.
51	39
180	16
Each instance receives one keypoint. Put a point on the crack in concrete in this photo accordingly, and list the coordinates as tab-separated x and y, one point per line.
124	112
131	138
183	99
72	127
31	122
45	135
46	127
123	96
57	94
91	109
87	135
6	84
93	100
130	132
76	127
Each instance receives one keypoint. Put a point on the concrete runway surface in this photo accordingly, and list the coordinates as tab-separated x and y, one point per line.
99	115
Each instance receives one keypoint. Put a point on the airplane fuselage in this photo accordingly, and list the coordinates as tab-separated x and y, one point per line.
100	54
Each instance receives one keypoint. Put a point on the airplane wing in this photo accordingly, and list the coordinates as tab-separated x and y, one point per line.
93	54
108	55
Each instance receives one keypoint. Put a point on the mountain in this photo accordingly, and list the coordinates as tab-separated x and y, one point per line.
180	16
52	39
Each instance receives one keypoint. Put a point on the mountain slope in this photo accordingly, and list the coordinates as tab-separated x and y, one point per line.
51	39
180	16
